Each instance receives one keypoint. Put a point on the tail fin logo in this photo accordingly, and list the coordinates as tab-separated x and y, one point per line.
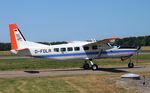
18	36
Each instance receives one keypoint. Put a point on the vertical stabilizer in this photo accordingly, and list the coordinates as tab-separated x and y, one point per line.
16	37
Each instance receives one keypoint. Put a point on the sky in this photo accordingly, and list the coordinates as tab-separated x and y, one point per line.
72	20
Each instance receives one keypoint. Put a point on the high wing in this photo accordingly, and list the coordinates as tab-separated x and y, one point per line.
102	44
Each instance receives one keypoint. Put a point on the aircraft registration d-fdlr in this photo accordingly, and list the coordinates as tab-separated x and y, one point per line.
85	50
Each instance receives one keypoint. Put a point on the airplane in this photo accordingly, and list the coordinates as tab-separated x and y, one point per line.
83	50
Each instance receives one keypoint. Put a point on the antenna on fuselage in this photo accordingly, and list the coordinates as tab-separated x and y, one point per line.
93	40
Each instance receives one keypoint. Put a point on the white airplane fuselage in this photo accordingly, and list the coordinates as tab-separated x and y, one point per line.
75	50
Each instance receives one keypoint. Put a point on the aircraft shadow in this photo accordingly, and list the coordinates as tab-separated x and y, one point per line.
117	69
113	70
73	69
32	72
36	71
129	68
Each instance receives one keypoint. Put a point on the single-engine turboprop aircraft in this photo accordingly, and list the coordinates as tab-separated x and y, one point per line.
85	50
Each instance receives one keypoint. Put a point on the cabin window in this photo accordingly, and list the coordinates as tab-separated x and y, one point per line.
56	49
86	48
63	49
94	47
77	48
70	49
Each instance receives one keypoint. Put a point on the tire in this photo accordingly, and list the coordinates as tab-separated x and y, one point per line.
130	65
86	66
94	67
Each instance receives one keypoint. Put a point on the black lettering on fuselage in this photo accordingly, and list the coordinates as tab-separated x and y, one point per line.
42	51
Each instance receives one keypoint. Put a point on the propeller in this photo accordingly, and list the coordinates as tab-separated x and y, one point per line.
137	53
139	47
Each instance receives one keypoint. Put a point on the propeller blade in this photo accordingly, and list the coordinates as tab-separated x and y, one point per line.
139	47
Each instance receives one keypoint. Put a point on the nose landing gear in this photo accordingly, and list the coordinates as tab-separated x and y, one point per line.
130	64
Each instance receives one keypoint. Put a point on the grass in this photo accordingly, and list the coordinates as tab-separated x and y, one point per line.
145	47
35	63
143	57
5	53
35	85
69	84
38	63
99	83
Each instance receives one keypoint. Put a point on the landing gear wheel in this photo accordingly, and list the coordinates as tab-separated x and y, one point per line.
94	67
86	66
130	65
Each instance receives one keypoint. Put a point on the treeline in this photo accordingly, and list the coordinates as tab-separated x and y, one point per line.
5	46
129	41
134	41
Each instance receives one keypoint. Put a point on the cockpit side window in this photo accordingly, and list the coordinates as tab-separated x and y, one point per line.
94	47
86	47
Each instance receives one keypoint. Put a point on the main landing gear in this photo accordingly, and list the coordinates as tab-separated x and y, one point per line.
86	65
130	64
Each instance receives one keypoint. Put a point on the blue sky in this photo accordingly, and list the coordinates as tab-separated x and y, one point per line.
67	20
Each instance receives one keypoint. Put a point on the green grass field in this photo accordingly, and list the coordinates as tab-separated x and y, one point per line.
5	53
38	63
